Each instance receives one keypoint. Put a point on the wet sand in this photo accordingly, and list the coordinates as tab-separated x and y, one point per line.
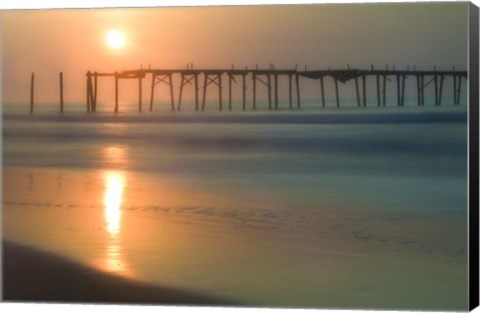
31	275
262	255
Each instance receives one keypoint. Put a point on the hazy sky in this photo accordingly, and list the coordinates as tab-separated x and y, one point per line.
320	36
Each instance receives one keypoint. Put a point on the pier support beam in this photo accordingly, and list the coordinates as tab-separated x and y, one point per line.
399	101
364	85
172	99
230	79
297	83
336	92
457	89
196	91
116	93
420	89
61	91
290	102
254	91
384	91
204	91
357	91
32	91
162	78
400	90
87	85
454	89
94	93
185	80
267	83
152	90
217	80
440	91
89	91
220	105
269	89
139	94
322	90
244	92
403	89
438	80
275	77
419	101
378	90
182	83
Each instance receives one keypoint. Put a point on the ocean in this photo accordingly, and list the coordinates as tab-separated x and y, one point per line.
337	208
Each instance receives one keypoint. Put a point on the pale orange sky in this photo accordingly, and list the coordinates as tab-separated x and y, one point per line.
329	35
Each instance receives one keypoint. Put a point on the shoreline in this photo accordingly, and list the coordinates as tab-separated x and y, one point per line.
32	275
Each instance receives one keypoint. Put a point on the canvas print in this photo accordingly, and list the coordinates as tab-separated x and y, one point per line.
285	156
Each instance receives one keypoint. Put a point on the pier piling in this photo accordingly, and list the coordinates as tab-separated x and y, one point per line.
32	91
116	93
254	91
94	94
89	91
152	92
61	91
457	100
244	91
139	94
230	78
377	77
182	83
422	88
220	105
364	85
357	91
196	90
440	90
204	92
403	89
322	90
336	92
384	91
297	83
276	90
172	99
186	79
399	91
269	89
290	103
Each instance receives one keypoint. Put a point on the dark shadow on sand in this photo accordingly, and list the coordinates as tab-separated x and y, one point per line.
31	275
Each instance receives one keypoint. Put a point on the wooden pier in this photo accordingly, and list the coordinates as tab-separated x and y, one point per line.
266	82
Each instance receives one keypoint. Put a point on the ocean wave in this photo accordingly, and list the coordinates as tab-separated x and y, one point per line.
267	118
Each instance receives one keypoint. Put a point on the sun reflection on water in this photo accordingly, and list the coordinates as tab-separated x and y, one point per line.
115	154
114	185
114	182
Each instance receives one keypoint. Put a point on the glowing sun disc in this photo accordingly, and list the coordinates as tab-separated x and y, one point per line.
115	39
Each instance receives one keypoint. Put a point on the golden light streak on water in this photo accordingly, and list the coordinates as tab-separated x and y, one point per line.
114	184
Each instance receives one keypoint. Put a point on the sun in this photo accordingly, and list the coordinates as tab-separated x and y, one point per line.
115	39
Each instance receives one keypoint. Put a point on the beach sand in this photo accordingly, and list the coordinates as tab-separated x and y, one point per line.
31	275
